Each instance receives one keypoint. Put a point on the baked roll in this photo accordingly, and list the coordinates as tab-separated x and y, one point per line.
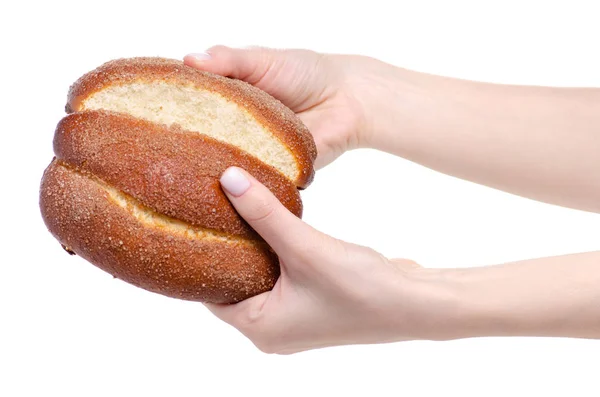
134	186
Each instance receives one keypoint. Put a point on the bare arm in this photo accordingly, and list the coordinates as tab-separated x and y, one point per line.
543	143
538	142
557	297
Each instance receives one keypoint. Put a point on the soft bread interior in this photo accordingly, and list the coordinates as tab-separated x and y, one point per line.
200	111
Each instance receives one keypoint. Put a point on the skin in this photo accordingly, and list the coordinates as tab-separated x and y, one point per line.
537	142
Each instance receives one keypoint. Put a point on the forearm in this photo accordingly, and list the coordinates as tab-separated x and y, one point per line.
542	143
554	297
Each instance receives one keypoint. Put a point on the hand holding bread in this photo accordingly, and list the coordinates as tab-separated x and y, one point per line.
186	183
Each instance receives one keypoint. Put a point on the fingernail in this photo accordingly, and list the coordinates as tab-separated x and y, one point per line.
234	181
199	56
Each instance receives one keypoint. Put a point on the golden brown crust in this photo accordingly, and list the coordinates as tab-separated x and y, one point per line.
172	171
269	112
79	213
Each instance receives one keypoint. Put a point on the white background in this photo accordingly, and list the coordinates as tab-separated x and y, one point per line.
68	329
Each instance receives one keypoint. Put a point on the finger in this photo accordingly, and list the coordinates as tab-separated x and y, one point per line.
242	315
281	229
405	263
250	65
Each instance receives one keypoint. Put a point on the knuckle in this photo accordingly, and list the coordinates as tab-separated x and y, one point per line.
267	338
265	341
266	346
249	321
261	211
217	49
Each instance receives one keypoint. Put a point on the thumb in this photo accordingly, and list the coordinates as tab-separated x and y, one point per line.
264	213
250	65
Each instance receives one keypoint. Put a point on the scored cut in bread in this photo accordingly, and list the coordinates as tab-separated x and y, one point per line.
134	186
167	92
146	249
176	172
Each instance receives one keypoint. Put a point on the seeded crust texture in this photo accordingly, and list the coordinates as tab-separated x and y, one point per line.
175	172
140	198
268	112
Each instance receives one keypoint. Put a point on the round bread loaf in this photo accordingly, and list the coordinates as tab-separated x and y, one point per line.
134	187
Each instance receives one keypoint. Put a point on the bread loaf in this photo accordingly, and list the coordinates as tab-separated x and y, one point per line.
134	187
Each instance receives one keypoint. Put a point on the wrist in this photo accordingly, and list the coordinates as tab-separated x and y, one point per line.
476	302
436	309
396	103
505	300
449	304
545	297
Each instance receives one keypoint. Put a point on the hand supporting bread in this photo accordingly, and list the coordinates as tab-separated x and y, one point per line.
134	187
331	292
